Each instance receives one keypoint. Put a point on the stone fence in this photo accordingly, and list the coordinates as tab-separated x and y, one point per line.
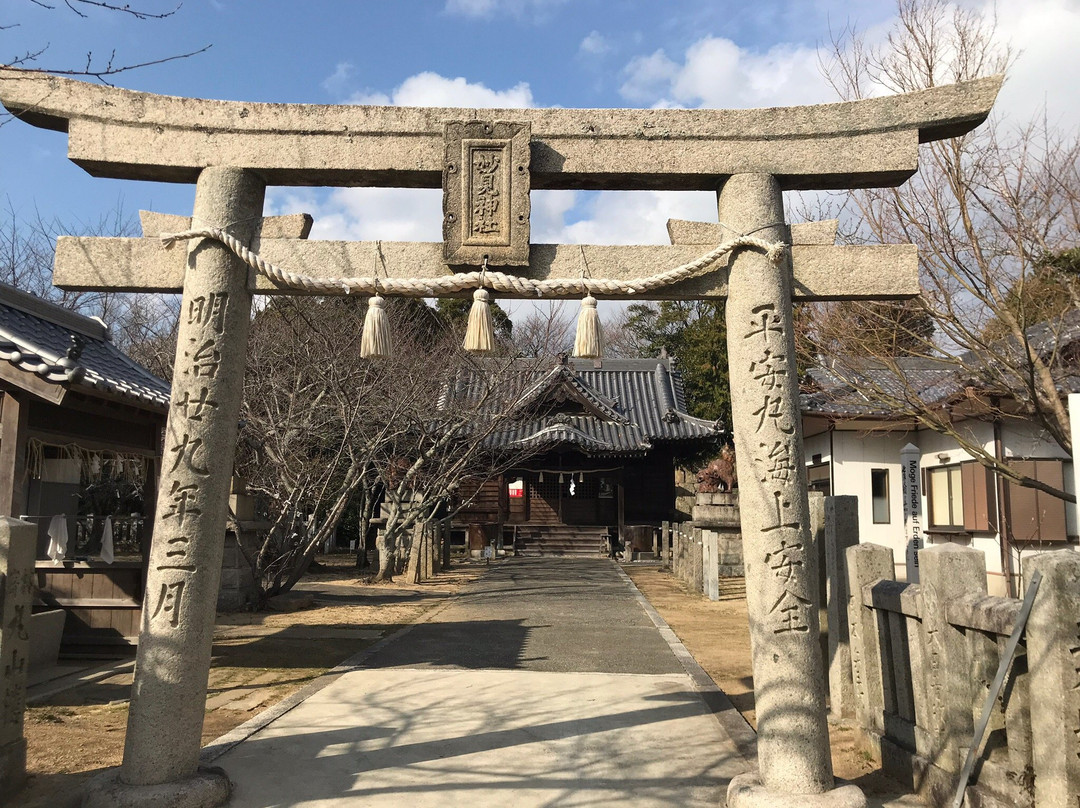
686	560
708	549
923	657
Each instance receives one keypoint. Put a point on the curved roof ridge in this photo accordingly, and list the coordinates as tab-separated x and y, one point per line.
565	375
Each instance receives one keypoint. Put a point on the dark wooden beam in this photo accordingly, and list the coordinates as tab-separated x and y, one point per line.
32	383
14	417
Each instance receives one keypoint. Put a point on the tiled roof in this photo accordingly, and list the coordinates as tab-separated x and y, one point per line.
67	349
627	406
930	381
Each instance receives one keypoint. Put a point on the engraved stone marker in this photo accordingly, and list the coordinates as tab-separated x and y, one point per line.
161	749
18	543
1053	647
779	558
486	193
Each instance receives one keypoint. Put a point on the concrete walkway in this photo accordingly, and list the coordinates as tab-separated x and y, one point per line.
545	683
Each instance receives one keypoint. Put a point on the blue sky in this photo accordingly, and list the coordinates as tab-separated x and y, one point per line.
572	53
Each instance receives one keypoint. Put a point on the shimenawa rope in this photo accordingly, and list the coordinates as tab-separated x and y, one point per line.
459	282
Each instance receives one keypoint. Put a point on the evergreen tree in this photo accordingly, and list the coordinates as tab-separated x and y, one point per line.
695	333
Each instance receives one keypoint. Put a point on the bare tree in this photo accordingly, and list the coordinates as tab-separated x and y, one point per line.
546	331
985	209
455	447
143	326
33	58
324	429
312	423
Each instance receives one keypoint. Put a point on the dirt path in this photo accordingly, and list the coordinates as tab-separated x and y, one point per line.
718	636
259	659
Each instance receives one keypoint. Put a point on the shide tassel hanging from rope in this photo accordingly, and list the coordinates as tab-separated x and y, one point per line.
480	335
589	339
375	340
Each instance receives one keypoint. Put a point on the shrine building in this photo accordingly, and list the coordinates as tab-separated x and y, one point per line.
605	437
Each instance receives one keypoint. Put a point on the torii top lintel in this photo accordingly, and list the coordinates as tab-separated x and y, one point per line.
134	135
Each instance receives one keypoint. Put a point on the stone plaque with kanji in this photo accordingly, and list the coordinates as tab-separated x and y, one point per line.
486	193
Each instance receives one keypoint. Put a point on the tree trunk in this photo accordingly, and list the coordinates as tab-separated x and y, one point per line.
434	547
385	551
414	572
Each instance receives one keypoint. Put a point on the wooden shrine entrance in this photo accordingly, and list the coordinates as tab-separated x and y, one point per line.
486	161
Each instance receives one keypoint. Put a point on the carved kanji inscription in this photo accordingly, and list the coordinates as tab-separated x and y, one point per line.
486	193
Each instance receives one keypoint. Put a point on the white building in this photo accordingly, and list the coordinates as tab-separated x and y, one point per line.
852	446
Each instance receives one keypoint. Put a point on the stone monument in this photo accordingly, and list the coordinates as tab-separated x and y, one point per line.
18	547
486	160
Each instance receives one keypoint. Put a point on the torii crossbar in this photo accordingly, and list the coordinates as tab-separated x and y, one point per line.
486	161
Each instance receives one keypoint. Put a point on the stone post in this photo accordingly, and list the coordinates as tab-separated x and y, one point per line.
168	701
948	571
665	545
816	509
867	563
678	551
1053	655
18	546
841	532
911	481
710	548
1074	432
676	546
778	553
697	561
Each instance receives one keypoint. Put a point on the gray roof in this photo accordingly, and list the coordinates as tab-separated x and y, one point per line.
840	391
65	348
617	406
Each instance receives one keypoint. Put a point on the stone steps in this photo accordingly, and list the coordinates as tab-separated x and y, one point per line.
732	588
561	540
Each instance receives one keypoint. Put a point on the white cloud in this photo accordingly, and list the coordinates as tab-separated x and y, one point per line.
595	44
429	89
471	8
337	82
1045	33
648	78
716	72
365	214
634	217
489	8
549	212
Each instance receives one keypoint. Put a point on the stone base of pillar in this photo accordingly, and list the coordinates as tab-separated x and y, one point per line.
209	788
746	791
12	767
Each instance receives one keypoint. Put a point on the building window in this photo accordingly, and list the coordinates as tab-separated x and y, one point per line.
817	478
945	494
879	495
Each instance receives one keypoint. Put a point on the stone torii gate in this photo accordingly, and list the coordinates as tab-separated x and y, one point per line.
486	161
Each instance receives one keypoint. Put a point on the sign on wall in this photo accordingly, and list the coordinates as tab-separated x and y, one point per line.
909	474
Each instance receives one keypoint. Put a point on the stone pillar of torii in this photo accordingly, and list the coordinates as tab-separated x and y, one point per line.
486	161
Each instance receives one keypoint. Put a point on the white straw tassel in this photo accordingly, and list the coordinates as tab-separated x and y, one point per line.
480	335
589	340
375	341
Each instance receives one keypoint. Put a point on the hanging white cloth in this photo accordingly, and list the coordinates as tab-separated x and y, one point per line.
107	542
58	538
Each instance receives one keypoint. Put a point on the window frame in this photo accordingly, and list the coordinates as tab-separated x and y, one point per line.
953	497
874	500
